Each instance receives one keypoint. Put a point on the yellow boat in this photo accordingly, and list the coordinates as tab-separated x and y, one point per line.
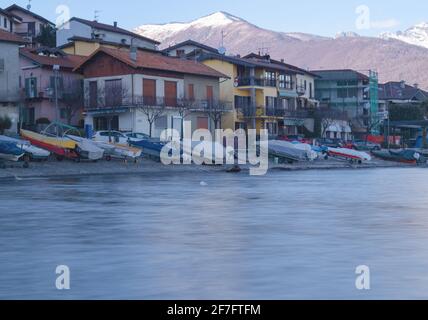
59	146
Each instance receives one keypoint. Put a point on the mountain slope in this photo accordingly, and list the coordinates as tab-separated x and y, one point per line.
393	59
417	35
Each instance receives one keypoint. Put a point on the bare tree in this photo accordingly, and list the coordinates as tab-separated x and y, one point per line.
112	96
216	109
73	98
153	108
329	116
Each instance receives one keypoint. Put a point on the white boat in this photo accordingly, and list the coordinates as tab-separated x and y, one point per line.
86	148
33	152
310	153
349	154
290	151
118	150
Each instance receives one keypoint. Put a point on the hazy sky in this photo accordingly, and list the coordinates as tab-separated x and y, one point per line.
312	16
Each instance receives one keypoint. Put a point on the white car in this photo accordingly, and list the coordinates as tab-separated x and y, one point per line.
111	136
137	136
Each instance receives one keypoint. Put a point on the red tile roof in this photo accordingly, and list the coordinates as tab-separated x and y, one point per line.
67	61
11	37
157	61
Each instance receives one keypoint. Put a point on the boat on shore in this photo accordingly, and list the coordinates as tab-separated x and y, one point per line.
150	147
10	152
61	147
349	154
289	151
87	149
31	151
119	151
402	156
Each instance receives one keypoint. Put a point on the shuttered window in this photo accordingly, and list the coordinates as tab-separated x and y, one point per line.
170	93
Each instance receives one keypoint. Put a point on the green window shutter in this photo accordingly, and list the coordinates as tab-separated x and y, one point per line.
27	88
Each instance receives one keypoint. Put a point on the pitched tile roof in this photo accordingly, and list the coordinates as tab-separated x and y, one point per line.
157	61
11	37
191	43
400	91
18	8
111	28
66	61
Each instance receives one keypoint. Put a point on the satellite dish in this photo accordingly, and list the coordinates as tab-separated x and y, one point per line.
222	50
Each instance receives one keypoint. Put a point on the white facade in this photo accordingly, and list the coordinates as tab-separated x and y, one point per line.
75	28
5	23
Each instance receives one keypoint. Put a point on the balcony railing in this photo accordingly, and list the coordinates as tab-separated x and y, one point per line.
166	102
253	81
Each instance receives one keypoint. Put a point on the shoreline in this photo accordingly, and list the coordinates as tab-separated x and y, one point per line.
69	169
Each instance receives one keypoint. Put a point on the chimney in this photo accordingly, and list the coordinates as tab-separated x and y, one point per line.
282	60
133	54
403	84
115	24
416	85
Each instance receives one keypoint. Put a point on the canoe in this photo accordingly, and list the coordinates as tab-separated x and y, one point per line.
62	147
10	152
403	156
348	154
33	152
87	149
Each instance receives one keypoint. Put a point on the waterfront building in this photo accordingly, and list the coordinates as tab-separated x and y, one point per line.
400	93
125	89
83	37
40	68
352	93
9	77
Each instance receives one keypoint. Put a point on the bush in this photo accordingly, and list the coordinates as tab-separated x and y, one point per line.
5	123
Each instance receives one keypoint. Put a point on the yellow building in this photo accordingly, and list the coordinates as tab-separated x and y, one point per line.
266	93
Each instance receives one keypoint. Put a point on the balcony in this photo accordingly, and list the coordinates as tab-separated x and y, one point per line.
255	82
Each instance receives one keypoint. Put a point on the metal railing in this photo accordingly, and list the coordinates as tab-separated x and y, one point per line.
258	82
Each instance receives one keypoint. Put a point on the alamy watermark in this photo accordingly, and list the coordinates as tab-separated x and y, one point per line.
362	281
225	147
63	277
364	20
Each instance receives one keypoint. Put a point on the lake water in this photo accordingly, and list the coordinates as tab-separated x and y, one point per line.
287	235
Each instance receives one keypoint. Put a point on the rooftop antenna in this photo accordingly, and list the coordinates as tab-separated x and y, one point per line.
222	49
263	50
29	5
96	15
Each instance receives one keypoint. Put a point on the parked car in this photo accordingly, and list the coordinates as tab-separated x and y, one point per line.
111	136
361	145
330	143
137	136
299	138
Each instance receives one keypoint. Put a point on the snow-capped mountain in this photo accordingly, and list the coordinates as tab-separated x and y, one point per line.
416	35
393	59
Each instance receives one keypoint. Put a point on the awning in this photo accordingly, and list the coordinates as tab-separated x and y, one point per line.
288	94
107	111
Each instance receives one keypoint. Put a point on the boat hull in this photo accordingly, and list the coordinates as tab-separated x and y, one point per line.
59	147
10	152
348	154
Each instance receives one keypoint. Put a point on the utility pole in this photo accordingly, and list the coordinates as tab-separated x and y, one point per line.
56	72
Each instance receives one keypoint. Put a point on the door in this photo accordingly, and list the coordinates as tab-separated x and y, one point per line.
149	91
210	95
202	123
170	93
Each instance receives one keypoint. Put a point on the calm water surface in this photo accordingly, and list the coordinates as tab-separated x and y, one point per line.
285	235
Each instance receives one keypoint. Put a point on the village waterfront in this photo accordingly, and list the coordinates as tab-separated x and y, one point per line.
211	234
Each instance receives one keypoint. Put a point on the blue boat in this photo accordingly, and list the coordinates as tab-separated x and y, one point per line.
10	152
152	147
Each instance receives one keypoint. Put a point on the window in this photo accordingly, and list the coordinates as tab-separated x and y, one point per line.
31	87
180	53
5	23
170	93
210	94
270	78
31	28
191	92
149	91
93	94
272	128
202	123
285	81
311	94
63	113
241	102
113	93
161	123
271	102
1	65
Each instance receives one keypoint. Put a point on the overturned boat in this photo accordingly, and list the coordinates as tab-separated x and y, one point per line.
289	151
403	156
31	151
10	152
87	149
119	151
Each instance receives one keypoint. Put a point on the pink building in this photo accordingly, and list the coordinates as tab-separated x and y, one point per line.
39	70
